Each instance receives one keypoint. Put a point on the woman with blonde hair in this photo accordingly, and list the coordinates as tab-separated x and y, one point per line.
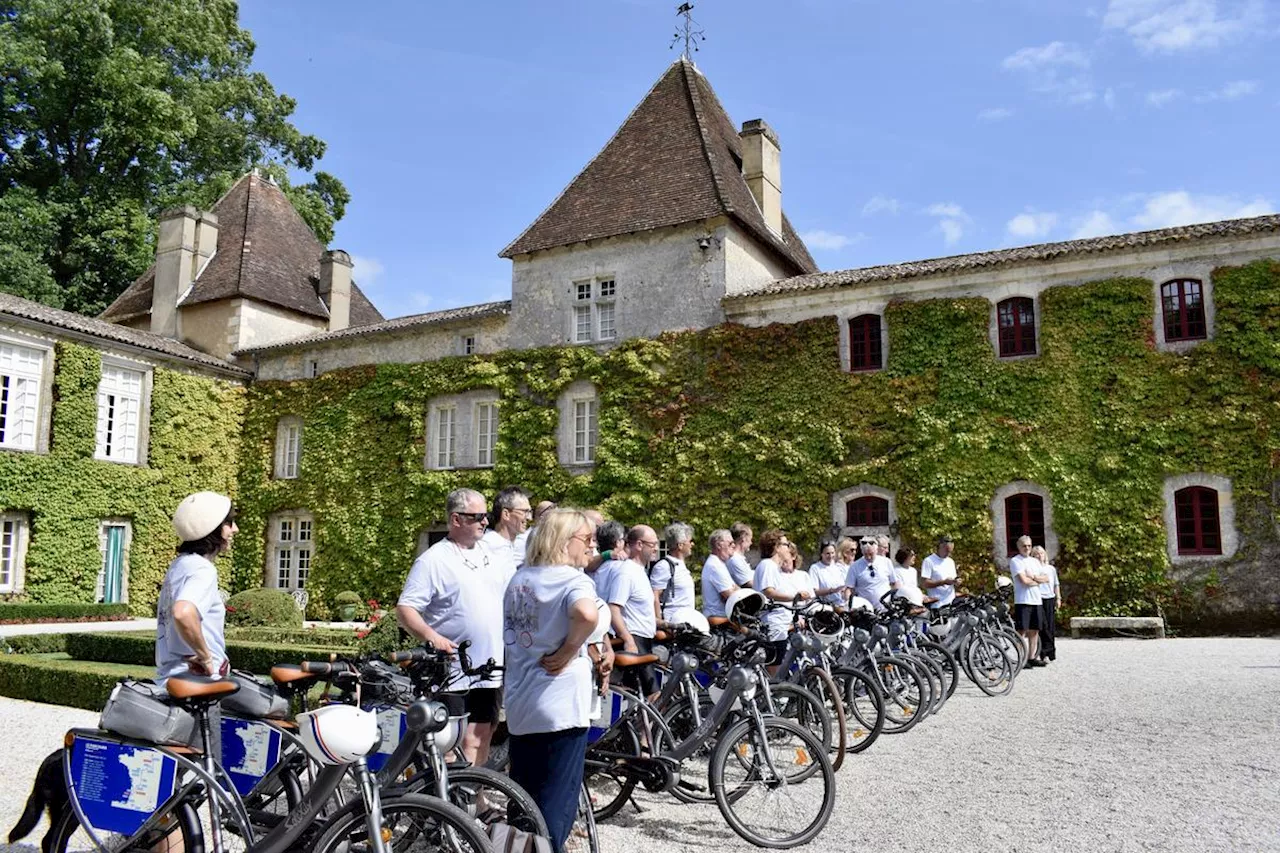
1048	606
549	612
846	552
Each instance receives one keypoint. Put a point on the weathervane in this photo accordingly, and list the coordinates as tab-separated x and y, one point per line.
689	31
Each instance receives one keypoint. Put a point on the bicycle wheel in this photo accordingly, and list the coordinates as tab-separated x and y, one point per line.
944	658
409	822
819	682
902	693
695	778
583	838
755	773
183	832
863	708
604	779
989	667
489	797
793	702
932	670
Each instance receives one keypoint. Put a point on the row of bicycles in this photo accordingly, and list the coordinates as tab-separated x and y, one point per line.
360	755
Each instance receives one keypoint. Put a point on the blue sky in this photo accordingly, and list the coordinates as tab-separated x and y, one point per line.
909	129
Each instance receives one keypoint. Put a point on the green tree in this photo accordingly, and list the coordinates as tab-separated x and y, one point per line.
111	111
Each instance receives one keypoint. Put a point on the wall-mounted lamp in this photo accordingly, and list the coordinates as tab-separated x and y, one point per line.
704	243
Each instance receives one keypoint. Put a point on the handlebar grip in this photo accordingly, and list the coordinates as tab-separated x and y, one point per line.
315	667
407	655
463	659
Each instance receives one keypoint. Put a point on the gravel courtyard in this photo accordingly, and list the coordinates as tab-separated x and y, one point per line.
1119	745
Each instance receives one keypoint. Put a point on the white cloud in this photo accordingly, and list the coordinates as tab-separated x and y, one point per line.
828	241
421	299
1233	91
1163	97
1057	68
995	114
881	204
1097	223
1166	210
952	220
1109	98
1031	226
366	271
1168	26
1053	53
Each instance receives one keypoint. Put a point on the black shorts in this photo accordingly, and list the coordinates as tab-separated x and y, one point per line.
483	704
640	678
1026	617
777	650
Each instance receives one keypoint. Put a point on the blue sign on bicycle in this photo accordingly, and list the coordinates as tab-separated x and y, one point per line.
391	723
250	748
610	712
119	786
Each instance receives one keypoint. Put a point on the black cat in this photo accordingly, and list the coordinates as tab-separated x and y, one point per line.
49	792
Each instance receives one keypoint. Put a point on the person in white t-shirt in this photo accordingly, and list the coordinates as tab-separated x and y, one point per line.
454	594
1049	591
1027	574
938	575
507	522
871	575
549	613
717	583
778	580
670	578
828	577
625	586
190	615
904	568
739	569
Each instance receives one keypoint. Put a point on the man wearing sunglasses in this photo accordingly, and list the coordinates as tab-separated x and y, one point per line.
871	575
454	593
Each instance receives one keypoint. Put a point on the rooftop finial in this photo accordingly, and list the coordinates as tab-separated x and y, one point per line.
689	31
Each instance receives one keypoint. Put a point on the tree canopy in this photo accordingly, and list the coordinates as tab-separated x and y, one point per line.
113	110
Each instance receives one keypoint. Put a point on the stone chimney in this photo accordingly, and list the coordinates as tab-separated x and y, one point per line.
762	168
335	287
175	259
206	241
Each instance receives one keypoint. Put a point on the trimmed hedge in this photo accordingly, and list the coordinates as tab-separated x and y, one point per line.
34	644
268	608
132	649
306	637
56	678
27	612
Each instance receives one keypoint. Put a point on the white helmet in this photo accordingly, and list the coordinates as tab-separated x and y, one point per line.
199	515
338	734
604	619
860	603
744	602
1002	582
826	625
695	620
910	593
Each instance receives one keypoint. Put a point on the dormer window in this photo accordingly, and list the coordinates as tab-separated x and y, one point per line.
594	317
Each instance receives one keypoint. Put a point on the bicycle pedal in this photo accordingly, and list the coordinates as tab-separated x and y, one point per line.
692	786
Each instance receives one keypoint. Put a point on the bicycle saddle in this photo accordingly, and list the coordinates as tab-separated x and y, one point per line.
626	659
186	687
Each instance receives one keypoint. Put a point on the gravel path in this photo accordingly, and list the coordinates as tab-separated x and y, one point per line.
1120	745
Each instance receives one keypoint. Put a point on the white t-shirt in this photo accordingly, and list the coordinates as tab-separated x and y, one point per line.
769	575
536	622
715	580
519	545
740	569
1049	589
1024	593
190	578
627	585
937	568
827	577
678	599
871	580
503	554
906	577
458	592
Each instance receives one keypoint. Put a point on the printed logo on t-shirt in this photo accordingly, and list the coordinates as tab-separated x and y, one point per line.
521	618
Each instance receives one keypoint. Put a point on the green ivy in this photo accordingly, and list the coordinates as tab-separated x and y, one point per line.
762	425
194	444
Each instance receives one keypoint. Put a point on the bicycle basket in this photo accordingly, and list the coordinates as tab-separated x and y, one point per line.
255	698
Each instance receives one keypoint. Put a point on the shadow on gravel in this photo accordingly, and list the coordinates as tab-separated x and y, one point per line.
652	825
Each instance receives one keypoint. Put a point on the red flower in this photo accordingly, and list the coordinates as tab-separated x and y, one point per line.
373	602
360	635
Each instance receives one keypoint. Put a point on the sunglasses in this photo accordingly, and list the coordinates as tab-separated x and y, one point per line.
473	517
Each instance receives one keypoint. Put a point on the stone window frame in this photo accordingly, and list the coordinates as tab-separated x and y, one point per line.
1226	517
21	532
858	309
581	391
284	467
881	329
467	343
276	545
44	388
600	294
127	524
1000	526
464	407
1036	319
144	409
495	420
840	499
1199	271
311	368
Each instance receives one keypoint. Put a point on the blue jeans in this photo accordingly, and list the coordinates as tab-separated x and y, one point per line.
549	766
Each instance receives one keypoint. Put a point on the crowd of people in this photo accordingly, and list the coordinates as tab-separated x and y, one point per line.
540	591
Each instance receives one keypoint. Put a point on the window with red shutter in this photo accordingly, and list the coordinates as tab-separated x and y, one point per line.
865	350
866	512
1182	302
1016	319
1199	532
1023	516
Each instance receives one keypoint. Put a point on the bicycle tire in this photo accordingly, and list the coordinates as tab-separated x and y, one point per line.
987	658
819	682
733	790
902	695
186	824
620	740
863	708
937	679
680	721
793	702
468	784
943	656
583	837
399	812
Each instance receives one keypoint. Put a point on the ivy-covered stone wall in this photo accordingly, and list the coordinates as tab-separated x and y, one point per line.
762	425
194	442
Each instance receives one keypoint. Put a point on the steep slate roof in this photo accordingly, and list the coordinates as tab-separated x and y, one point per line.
1010	257
676	159
82	326
265	252
399	324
